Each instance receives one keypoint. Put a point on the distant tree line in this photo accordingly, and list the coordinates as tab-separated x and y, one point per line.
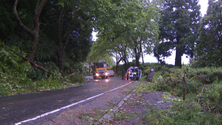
184	30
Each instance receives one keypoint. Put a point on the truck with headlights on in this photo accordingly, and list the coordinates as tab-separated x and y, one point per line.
100	70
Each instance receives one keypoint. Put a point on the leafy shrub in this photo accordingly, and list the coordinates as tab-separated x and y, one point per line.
17	76
184	112
212	73
13	70
213	97
71	67
77	78
162	87
3	90
143	78
37	74
203	104
53	81
144	86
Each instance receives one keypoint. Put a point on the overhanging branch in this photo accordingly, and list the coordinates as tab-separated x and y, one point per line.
19	20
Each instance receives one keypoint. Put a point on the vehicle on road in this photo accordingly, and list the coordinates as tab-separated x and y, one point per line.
111	73
100	70
133	73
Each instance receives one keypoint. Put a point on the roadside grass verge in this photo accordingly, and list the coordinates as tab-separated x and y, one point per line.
93	116
136	109
122	115
203	97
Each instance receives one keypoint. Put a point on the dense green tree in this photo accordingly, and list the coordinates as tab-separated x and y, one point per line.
64	30
106	50
100	51
179	27
162	50
133	31
209	45
143	27
72	23
109	26
66	26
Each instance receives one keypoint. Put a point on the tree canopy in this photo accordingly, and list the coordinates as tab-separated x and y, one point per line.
178	28
55	37
209	44
60	31
133	32
56	31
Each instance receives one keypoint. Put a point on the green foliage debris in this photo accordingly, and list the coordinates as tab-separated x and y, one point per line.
203	84
17	76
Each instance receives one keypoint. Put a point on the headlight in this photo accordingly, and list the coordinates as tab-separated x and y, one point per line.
97	74
106	73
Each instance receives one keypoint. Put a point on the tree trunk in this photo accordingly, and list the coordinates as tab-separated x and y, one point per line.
63	39
60	60
61	50
35	33
137	59
143	62
117	63
125	62
137	56
178	57
141	51
35	38
117	67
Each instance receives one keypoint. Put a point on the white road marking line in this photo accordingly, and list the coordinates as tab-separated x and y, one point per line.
65	107
59	109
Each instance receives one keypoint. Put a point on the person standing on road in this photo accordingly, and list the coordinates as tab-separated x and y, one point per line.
123	74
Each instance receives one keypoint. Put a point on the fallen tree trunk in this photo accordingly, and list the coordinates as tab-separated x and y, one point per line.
34	64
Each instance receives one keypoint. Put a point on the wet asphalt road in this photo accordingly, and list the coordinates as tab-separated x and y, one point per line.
14	109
